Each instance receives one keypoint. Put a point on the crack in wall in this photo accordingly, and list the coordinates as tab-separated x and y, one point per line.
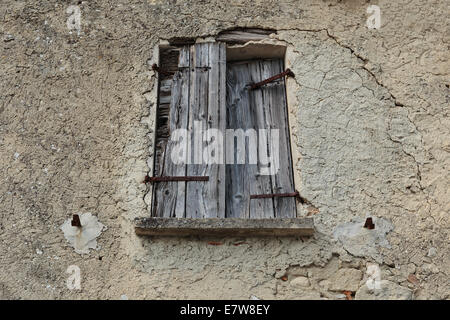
379	83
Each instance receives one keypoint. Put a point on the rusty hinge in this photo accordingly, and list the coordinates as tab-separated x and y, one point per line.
295	194
178	178
287	72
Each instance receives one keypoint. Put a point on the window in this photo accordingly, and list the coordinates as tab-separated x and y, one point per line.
211	124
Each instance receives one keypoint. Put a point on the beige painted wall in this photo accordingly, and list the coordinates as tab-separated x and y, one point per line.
370	131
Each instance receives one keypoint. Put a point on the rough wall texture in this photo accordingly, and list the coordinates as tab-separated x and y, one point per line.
370	129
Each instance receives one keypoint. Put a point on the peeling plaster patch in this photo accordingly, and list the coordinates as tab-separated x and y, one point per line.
362	242
83	238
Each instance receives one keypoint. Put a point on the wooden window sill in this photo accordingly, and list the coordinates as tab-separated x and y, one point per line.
179	227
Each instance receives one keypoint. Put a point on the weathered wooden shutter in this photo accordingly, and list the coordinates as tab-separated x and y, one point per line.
197	102
203	92
263	108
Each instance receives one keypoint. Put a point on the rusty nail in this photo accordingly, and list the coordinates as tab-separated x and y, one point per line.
76	221
369	224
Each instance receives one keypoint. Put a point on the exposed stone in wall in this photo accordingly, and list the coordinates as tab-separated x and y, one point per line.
370	127
387	291
346	279
300	282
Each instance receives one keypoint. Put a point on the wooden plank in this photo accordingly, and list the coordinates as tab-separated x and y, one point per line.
246	111
170	197
260	183
276	111
232	227
168	58
243	36
214	190
195	207
237	185
255	50
207	110
165	196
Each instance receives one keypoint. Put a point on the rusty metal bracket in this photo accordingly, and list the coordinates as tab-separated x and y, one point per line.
287	72
76	221
178	178
369	224
206	68
274	195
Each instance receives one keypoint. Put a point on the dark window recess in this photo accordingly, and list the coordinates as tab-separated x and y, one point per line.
198	85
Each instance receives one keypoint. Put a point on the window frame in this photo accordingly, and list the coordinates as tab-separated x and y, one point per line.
299	226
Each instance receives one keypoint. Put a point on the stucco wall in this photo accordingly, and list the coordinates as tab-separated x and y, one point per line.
369	121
